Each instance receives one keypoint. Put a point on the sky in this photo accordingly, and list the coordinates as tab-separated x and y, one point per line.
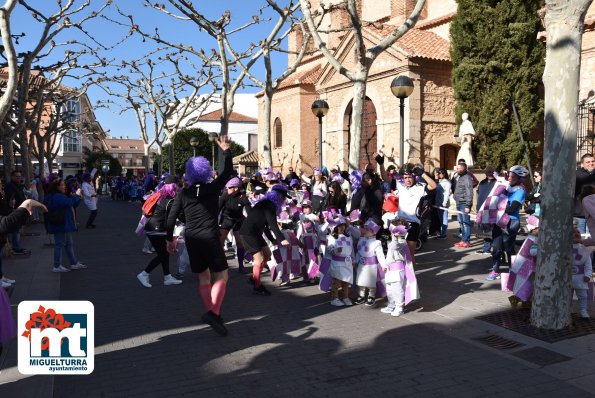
108	34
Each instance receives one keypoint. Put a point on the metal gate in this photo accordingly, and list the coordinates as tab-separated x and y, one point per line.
585	139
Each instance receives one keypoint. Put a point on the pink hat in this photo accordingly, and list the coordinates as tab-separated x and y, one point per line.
306	202
317	172
371	225
234	182
354	215
397	229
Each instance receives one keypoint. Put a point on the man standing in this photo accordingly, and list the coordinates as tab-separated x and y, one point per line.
463	196
585	175
15	196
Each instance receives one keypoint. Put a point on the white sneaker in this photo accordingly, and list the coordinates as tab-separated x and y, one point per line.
337	303
61	269
4	284
147	251
78	266
347	302
6	280
387	310
397	312
143	278
170	280
584	315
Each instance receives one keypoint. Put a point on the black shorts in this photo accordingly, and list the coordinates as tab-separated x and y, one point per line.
205	253
413	233
231	225
253	244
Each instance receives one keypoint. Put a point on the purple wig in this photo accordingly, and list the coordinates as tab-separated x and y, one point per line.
276	197
167	191
198	170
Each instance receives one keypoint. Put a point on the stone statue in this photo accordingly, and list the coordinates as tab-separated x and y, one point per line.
466	135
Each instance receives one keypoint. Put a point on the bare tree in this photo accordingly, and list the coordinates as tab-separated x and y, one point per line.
269	44
11	57
160	92
564	23
53	25
364	58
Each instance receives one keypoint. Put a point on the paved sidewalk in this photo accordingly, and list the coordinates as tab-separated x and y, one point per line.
150	342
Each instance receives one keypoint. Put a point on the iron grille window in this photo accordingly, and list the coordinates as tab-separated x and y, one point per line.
278	133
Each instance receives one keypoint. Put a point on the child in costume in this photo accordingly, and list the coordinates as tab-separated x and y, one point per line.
522	270
401	283
308	234
582	272
339	254
369	257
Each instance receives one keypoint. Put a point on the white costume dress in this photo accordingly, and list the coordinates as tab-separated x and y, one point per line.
340	253
369	256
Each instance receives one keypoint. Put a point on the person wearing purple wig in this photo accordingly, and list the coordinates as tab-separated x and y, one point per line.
263	219
155	228
198	205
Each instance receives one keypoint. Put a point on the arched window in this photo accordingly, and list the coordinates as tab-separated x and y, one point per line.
278	133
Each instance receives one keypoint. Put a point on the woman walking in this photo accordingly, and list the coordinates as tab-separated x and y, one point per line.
199	205
155	229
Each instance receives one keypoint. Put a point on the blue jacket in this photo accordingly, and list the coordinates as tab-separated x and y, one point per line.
61	203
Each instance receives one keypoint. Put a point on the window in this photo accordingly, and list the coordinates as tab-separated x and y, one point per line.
71	141
133	147
139	161
73	111
278	133
115	147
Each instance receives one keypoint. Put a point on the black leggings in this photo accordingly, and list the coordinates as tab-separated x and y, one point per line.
158	242
91	218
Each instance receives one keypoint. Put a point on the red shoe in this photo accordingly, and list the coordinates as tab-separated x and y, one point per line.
464	245
458	244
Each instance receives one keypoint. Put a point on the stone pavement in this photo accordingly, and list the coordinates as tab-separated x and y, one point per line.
150	342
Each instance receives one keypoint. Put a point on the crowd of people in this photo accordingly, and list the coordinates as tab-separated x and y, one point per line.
353	234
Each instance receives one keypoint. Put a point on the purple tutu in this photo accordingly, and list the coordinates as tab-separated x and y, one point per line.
7	326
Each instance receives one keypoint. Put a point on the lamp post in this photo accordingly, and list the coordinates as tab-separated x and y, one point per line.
402	87
320	109
194	144
213	137
105	169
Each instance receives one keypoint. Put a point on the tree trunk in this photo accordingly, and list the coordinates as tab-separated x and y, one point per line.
359	98
170	157
11	57
552	296
267	149
25	157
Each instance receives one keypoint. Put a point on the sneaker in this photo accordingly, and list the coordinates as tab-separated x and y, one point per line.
347	302
261	291
370	301
337	303
284	283
397	312
60	269
387	310
170	280
463	245
458	244
147	251
293	276
584	315
78	265
482	252
143	278
4	284
215	321
492	276
6	280
360	300
178	275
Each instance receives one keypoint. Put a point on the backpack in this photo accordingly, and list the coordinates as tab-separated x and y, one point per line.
423	207
150	204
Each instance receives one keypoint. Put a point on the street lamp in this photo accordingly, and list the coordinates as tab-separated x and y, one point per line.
105	169
320	109
213	137
402	87
194	144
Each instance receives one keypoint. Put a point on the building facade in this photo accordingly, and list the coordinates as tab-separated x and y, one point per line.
130	153
422	54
